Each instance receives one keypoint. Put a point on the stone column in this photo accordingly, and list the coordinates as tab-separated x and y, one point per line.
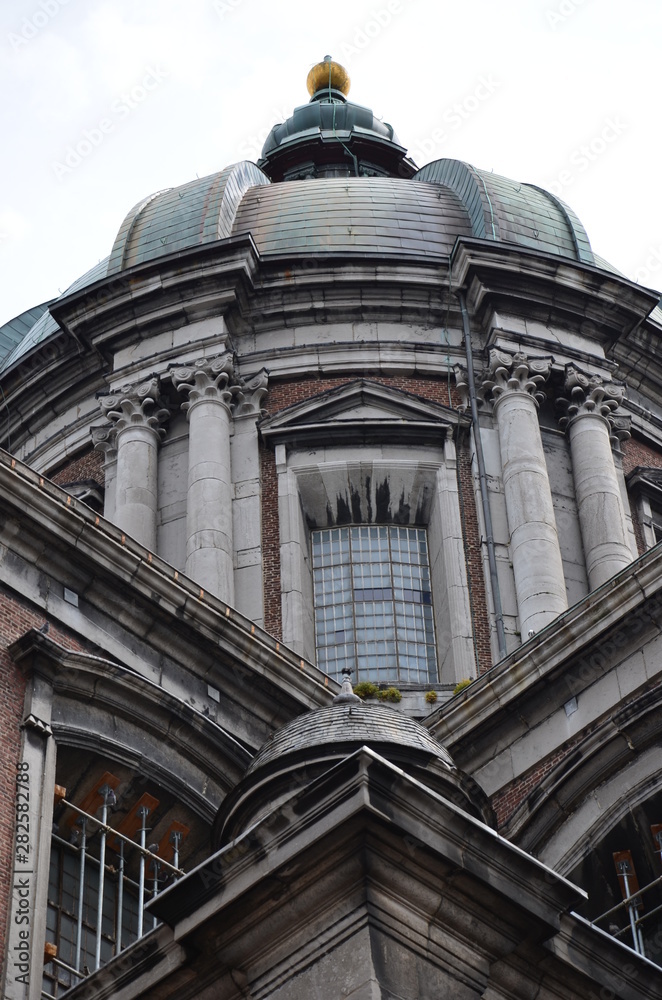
137	417
534	545
209	535
589	404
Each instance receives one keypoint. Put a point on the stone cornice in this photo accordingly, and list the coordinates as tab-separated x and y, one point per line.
606	305
169	292
97	683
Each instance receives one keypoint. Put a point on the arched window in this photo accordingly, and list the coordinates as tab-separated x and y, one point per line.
373	603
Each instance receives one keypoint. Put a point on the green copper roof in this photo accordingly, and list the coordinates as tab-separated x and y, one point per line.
512	212
45	326
13	332
198	212
383	215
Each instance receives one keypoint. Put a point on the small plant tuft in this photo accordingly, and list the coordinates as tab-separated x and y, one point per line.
366	689
390	694
430	697
461	685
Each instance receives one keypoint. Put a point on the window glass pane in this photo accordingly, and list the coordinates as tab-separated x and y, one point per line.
373	603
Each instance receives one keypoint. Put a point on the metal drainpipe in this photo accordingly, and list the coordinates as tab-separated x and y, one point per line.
482	476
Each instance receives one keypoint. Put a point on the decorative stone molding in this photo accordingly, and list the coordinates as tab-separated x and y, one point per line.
590	394
133	406
31	721
205	379
104	440
249	395
462	384
514	373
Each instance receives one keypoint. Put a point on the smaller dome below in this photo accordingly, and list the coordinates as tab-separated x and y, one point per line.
351	726
313	743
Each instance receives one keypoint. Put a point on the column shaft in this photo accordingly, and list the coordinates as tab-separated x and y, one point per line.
599	501
136	486
209	543
535	551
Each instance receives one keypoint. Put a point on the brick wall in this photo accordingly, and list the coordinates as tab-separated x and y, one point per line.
89	465
638	453
16	617
430	388
509	798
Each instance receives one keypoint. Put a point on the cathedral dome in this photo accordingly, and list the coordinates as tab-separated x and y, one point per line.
313	743
349	190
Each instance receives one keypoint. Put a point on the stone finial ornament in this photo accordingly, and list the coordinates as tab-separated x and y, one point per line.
462	384
346	696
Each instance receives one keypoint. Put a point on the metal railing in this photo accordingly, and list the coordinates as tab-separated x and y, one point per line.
633	904
88	826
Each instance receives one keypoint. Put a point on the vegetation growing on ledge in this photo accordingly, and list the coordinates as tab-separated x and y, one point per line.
366	689
390	694
461	685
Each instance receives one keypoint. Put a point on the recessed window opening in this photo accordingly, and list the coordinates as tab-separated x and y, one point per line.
373	603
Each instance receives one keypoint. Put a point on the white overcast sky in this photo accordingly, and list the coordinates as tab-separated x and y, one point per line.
560	93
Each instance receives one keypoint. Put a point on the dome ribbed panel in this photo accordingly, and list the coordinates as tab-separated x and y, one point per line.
201	211
357	214
511	212
465	182
526	216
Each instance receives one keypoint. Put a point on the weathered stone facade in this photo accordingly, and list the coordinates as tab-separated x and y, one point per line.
378	355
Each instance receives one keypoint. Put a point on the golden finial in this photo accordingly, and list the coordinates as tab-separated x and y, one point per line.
328	75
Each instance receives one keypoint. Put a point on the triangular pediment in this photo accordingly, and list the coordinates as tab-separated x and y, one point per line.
358	410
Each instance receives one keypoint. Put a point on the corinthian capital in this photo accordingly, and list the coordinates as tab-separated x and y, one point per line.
590	394
247	396
206	378
136	406
515	373
104	439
